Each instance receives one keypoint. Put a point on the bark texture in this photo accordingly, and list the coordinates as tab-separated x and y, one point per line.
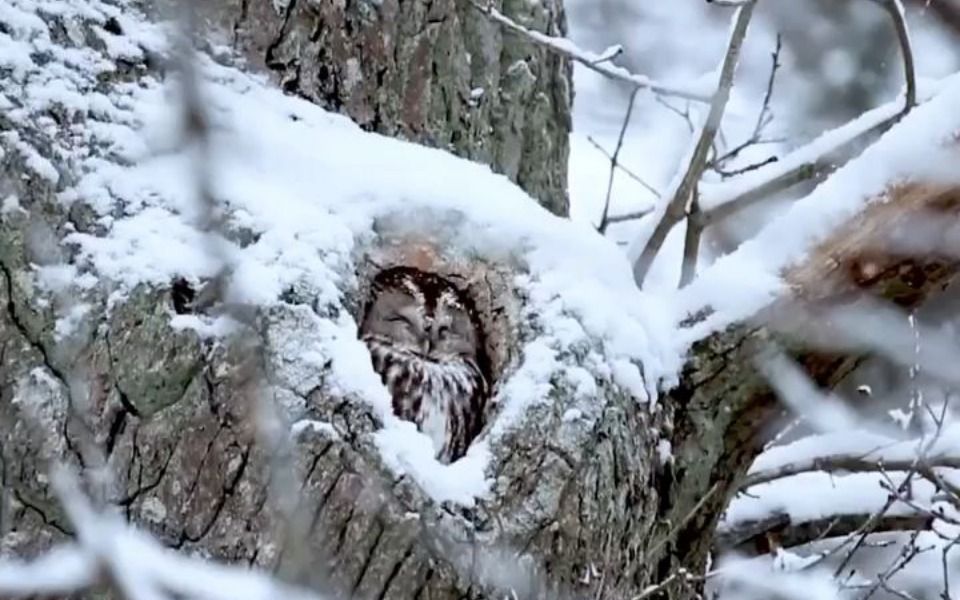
430	71
579	508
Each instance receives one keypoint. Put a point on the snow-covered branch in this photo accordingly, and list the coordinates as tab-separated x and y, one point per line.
781	531
807	162
846	463
683	196
598	62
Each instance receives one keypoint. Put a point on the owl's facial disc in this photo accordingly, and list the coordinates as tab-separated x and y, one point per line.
420	319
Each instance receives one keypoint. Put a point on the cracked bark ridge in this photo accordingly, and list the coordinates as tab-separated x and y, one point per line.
436	72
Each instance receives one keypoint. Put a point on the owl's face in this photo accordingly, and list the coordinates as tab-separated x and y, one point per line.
422	315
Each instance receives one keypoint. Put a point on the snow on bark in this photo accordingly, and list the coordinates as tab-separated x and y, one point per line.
115	362
148	387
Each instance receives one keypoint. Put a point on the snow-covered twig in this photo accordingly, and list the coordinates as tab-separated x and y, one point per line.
807	162
728	3
629	173
781	530
272	432
684	189
763	119
826	152
61	571
591	60
847	463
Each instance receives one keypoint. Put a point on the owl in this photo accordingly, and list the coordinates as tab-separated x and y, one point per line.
427	345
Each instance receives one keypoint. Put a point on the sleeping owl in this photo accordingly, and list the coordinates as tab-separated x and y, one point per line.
427	345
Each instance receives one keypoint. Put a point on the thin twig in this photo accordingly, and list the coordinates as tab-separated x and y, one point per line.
897	14
623	168
764	117
686	519
677	207
653	589
683	114
630	216
845	463
602	227
817	165
751	167
591	60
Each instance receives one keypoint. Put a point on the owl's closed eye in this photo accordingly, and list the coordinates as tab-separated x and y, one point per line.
426	344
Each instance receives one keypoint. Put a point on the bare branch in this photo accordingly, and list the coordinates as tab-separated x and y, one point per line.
763	535
631	216
811	161
683	114
751	167
763	119
591	60
847	463
895	9
602	227
677	207
623	168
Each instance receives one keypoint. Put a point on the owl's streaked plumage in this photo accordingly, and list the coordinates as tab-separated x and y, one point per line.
427	346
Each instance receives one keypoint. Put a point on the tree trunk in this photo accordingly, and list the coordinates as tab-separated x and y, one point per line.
580	507
430	71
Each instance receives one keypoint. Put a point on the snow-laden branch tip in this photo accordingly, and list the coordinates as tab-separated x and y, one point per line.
598	62
109	551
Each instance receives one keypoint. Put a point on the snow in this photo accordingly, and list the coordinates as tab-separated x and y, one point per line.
860	443
307	189
599	61
60	570
304	187
739	284
854	494
136	565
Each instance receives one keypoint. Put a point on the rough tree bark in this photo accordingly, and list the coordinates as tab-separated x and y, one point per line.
579	508
429	71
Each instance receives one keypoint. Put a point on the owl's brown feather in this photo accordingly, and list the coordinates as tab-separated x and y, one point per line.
426	344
